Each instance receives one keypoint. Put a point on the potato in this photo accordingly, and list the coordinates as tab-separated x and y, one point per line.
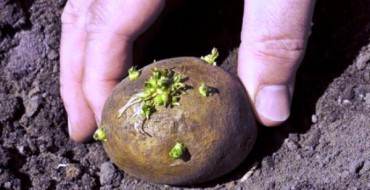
218	130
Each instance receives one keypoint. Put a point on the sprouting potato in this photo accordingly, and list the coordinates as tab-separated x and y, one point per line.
188	139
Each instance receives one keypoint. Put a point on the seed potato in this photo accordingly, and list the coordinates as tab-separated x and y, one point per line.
216	131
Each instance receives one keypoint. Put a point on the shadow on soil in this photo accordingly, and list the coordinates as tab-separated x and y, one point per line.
340	29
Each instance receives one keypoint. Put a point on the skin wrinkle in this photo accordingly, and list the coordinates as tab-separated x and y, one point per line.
284	49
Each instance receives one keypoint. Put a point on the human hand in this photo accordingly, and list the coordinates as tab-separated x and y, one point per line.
274	38
96	51
97	43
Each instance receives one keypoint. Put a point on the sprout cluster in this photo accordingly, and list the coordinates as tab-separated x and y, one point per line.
177	151
133	73
204	90
100	134
211	58
163	88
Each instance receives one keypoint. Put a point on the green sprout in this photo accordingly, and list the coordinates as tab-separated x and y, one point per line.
204	90
177	151
211	58
133	73
100	134
163	88
161	99
147	110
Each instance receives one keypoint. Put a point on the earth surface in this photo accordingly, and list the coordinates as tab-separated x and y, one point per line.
324	145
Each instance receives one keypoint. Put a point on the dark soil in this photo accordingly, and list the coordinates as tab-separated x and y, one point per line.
325	144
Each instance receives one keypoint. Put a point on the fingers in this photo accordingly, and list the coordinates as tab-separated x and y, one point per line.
274	39
96	50
111	29
72	58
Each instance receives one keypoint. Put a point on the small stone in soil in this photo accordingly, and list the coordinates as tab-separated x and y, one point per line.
348	94
230	185
52	55
298	157
361	61
314	118
367	98
32	105
21	149
291	145
367	75
107	171
346	102
344	174
7	185
313	139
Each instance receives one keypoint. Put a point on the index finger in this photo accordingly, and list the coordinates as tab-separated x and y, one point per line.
111	28
72	61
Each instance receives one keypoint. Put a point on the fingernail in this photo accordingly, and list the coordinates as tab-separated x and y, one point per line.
69	127
273	102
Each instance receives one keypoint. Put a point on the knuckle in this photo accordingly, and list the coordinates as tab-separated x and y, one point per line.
69	15
281	49
74	12
101	21
94	17
99	16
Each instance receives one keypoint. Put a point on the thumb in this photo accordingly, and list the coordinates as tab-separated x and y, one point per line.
274	39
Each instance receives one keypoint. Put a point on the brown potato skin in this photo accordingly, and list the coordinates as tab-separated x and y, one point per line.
219	130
